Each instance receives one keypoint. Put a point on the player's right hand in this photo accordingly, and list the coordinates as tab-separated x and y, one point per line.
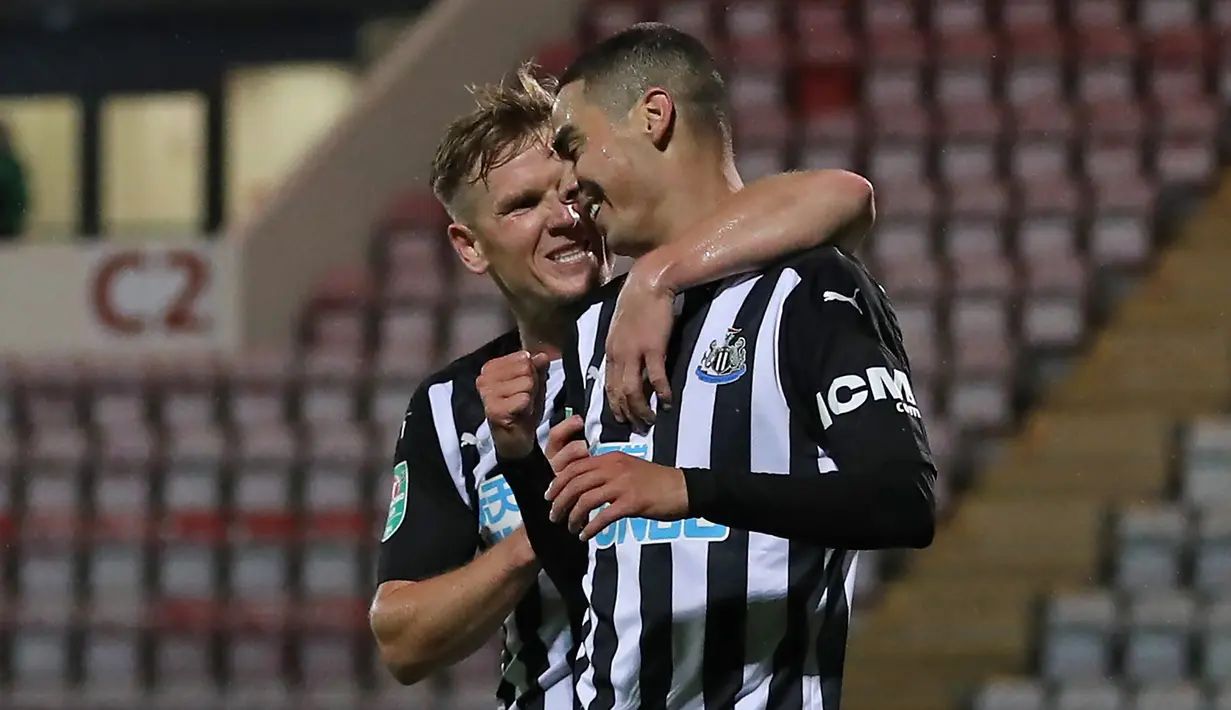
565	445
512	390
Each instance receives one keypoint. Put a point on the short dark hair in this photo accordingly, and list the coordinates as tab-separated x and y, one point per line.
508	117
620	69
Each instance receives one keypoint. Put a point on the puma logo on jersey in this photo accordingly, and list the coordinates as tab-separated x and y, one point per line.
592	373
469	439
835	296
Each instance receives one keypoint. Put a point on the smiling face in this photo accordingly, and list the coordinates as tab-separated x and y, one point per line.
617	167
521	232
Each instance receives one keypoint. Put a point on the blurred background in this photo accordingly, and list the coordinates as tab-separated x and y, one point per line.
222	275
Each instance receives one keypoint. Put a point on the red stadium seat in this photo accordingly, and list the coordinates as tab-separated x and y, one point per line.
1178	59
415	272
339	331
891	14
608	17
754	35
1185	160
1039	159
958	16
991	275
905	199
1167	14
892	72
904	122
819	154
974	239
1052	197
411	334
695	17
476	324
982	335
258	388
1025	15
1098	13
1034	71
981	403
1046	238
820	18
966	68
897	160
1054	321
756	163
978	199
1108	62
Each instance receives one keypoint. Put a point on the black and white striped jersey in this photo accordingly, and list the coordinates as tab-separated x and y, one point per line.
449	503
793	375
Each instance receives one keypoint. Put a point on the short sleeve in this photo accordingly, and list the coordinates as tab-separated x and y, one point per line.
428	530
848	370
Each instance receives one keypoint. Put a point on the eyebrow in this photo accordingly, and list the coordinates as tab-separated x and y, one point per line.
565	140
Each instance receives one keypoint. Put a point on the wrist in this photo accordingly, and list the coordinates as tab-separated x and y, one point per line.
520	553
657	272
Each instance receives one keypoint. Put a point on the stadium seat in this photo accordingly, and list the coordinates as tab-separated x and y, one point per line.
1090	695
1077	634
1150	544
1215	644
1212	553
1169	697
1011	695
1207	457
1157	638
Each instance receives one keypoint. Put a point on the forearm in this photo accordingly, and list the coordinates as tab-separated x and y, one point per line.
564	557
765	221
424	626
890	507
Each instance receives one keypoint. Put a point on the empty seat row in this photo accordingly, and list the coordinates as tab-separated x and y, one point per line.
1168	546
749	19
1162	637
1096	695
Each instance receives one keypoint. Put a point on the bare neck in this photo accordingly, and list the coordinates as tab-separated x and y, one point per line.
542	333
704	181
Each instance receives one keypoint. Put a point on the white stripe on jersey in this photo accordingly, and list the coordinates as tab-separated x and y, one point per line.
441	397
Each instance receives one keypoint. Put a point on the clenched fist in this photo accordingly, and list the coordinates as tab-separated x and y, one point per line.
512	390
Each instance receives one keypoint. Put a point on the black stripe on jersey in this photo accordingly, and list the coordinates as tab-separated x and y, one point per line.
468	415
656	564
805	578
533	653
831	642
606	568
529	615
726	614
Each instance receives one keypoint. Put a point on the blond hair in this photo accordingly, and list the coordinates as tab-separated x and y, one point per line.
508	117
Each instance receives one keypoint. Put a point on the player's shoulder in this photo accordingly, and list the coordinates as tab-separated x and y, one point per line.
467	367
825	263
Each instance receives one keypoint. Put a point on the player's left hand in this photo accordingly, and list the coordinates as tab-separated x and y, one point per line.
629	486
637	346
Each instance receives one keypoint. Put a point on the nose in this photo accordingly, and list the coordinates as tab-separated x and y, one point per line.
565	216
570	190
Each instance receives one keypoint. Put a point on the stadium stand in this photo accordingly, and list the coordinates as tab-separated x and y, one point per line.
183	535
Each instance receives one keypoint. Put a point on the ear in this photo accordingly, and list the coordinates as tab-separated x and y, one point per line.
468	248
657	117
